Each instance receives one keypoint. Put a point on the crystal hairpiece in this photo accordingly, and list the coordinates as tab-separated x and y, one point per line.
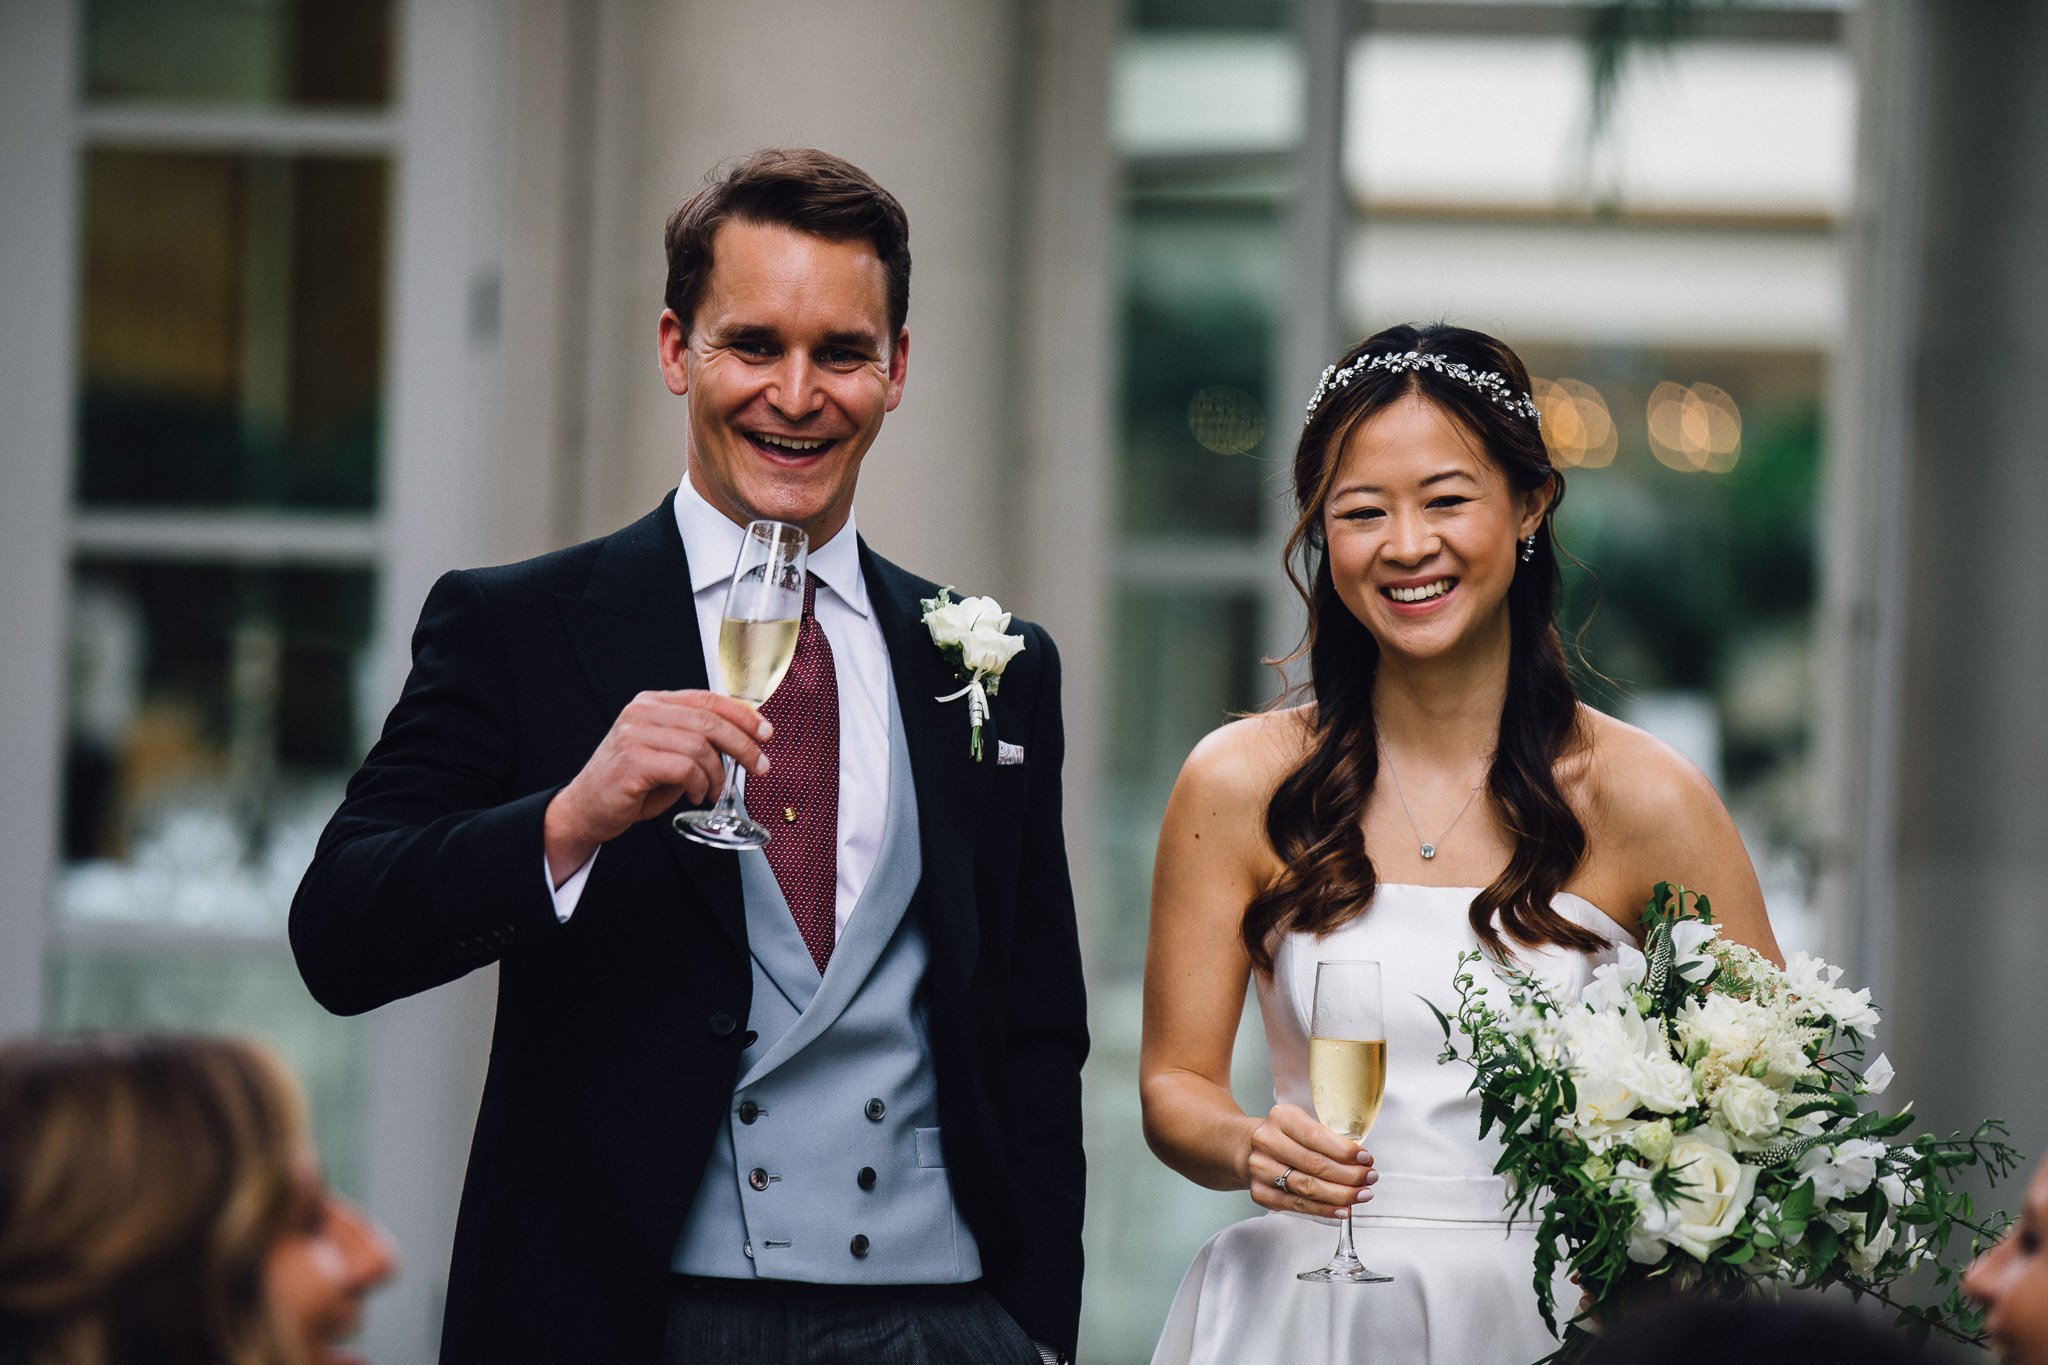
1491	383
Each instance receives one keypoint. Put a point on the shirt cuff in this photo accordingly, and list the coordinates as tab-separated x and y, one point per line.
571	891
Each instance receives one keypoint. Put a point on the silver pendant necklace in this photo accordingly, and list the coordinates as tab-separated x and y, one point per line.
1426	847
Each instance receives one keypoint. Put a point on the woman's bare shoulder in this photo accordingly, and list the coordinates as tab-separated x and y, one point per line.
1233	772
1633	783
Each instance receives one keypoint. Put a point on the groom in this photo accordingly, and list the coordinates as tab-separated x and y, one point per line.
820	1103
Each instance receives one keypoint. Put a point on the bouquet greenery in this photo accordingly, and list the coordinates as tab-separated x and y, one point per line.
1694	1121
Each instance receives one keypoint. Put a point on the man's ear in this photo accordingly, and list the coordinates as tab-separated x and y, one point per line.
674	347
899	368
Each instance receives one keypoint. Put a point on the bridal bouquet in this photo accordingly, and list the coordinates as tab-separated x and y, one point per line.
1694	1121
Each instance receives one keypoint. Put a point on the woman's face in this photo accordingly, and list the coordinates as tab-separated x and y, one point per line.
327	1258
2011	1281
1424	531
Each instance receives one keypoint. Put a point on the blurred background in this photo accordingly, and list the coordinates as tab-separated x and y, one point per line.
304	304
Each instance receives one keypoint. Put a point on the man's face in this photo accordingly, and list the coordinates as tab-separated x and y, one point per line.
789	368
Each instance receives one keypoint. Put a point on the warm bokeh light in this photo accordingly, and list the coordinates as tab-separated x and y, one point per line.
1226	420
1576	423
1696	428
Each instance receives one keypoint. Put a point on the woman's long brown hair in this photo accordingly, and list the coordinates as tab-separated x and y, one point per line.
1316	819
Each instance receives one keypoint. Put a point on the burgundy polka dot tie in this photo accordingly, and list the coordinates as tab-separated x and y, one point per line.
798	798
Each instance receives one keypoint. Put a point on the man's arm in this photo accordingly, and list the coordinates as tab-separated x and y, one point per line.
428	869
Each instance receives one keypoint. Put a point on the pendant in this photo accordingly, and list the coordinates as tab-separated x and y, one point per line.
1429	851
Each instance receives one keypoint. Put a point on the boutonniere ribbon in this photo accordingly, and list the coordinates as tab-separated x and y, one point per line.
972	633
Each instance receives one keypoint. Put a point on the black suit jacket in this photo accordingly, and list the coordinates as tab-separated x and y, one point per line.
619	1033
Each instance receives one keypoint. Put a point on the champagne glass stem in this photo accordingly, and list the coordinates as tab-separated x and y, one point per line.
732	801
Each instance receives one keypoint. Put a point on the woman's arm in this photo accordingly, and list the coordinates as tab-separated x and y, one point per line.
1213	858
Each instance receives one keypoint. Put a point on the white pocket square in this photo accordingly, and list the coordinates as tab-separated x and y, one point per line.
1008	753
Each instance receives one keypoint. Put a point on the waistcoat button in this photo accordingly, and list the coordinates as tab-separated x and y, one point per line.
749	1111
875	1109
758	1178
866	1178
722	1025
859	1245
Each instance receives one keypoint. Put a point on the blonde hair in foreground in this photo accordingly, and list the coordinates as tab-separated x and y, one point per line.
142	1182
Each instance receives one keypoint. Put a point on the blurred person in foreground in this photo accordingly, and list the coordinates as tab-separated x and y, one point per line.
1685	1330
2011	1281
811	1103
161	1204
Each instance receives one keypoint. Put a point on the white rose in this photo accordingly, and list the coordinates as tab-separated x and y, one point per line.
1689	940
1877	1077
1841	1170
1717	1189
987	650
1747	1111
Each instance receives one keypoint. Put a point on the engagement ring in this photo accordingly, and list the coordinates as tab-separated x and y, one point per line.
1281	1179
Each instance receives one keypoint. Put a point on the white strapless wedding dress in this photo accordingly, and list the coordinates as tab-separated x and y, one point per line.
1462	1292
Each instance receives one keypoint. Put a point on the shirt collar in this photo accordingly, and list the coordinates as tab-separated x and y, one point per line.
714	542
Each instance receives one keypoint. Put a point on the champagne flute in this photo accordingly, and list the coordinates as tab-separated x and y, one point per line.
1347	1077
756	640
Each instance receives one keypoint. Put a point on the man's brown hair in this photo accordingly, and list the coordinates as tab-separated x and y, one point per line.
793	187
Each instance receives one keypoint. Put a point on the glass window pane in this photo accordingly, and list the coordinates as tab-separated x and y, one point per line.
1199	438
231	330
252	991
239	52
1207	643
214	718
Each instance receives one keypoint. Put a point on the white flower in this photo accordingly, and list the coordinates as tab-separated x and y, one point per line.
1689	940
1841	1170
1653	1139
1614	984
1877	1077
973	631
1738	1035
1620	1063
1863	1251
1649	1240
1714	1193
1717	1191
1815	983
1746	1110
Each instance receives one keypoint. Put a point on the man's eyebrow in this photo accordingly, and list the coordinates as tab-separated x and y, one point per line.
860	339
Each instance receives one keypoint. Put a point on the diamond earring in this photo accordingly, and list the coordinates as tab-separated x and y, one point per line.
1529	548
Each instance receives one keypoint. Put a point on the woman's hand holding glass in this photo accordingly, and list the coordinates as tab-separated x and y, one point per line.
1326	1173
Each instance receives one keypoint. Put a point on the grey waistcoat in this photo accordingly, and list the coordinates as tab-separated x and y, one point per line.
828	1168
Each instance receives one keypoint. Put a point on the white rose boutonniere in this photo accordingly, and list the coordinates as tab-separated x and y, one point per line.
973	633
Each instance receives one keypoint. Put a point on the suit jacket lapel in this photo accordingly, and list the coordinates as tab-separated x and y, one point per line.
634	628
950	785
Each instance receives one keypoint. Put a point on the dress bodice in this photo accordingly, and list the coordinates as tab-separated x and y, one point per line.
1425	1143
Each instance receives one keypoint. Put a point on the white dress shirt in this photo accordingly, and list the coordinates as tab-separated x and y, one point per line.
859	657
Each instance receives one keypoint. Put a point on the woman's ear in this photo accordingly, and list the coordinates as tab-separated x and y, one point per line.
1535	503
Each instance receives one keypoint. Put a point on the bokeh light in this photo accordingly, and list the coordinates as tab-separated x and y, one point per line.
1695	428
1226	420
1576	424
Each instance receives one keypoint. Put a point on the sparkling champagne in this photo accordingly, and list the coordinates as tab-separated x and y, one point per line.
1348	1078
753	656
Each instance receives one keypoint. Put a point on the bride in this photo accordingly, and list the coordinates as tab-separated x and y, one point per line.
1441	789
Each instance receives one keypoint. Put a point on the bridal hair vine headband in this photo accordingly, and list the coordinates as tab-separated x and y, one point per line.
1488	382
